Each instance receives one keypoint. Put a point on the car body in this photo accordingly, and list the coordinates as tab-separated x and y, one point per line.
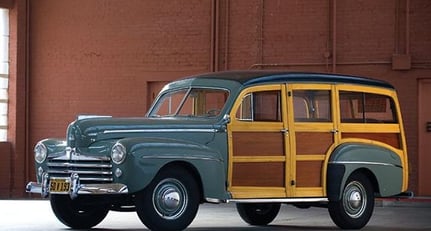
256	138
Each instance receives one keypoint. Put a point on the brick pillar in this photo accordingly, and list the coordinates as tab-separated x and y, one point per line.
18	68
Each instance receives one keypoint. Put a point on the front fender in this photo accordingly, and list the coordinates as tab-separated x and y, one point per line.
382	162
146	156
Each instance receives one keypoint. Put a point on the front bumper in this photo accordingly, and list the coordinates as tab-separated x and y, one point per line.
76	188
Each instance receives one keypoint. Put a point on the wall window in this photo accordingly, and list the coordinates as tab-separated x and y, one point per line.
4	71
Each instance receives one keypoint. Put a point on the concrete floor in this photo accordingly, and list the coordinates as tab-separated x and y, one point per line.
32	215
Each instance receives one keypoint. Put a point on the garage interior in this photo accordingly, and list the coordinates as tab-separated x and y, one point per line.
61	58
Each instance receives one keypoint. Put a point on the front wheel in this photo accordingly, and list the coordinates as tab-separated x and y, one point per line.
77	213
170	202
258	213
354	209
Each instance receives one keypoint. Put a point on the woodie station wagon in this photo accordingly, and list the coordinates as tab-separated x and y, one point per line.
255	138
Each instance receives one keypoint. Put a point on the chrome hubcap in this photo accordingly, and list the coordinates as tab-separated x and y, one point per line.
354	199
170	198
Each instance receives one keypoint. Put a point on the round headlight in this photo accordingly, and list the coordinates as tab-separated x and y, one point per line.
118	153
40	152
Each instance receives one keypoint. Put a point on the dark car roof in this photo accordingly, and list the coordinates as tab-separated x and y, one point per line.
250	77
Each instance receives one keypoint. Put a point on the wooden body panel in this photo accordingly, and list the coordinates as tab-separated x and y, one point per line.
392	139
259	174
289	158
258	144
313	142
308	173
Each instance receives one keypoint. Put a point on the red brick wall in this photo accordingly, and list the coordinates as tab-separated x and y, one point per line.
296	32
420	37
365	30
97	56
105	52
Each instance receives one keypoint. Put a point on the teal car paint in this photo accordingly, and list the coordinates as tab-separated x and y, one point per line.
206	160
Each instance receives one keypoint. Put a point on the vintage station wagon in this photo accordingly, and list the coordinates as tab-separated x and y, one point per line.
256	138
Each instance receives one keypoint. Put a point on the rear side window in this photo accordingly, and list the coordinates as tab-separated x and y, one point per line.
312	105
360	107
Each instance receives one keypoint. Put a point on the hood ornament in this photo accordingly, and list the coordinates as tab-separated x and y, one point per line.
71	153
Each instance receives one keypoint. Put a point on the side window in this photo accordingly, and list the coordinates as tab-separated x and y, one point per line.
359	107
194	102
260	106
204	102
170	104
312	105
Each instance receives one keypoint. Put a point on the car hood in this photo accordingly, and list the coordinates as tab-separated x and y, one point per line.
84	132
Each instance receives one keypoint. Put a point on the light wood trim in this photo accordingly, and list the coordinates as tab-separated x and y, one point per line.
310	86
366	89
257	192
314	126
238	159
310	157
375	128
310	192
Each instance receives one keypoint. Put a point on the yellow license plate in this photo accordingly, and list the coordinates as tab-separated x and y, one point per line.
59	185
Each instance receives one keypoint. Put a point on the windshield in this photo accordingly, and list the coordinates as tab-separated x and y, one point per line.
192	102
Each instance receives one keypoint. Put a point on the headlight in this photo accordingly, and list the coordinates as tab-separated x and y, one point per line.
40	152
118	153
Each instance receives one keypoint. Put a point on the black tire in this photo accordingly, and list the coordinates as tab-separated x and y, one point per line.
354	209
170	202
258	213
75	213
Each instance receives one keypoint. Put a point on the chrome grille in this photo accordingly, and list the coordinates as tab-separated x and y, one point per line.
90	170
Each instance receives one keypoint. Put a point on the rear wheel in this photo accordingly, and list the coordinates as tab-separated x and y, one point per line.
170	202
354	209
77	213
258	213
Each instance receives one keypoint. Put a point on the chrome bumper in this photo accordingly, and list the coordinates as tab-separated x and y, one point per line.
76	188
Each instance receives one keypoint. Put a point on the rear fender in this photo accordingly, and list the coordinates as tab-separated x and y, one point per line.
375	158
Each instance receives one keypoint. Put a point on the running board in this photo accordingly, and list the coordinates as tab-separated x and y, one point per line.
279	200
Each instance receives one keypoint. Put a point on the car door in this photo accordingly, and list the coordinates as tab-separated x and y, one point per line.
258	141
312	132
